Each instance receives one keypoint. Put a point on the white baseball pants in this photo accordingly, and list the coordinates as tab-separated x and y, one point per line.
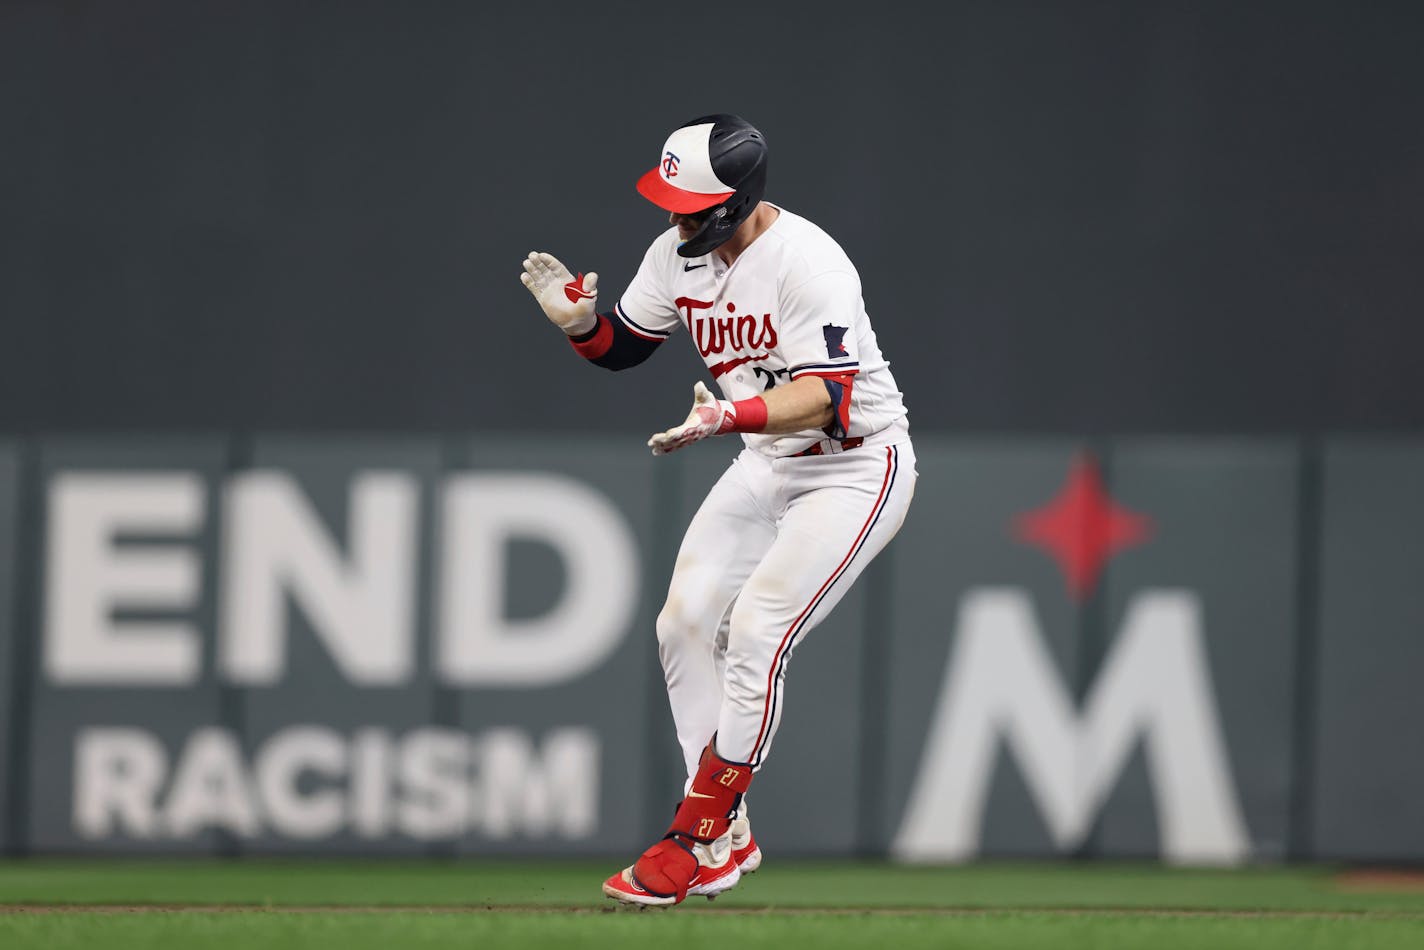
774	547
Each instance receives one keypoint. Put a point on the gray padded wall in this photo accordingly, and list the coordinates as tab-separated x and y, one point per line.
1369	774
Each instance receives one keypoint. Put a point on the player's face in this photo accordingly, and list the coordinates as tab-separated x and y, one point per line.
688	224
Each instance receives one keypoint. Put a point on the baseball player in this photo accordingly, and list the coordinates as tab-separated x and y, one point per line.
823	483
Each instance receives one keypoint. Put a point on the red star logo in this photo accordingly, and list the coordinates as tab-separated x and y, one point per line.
1082	527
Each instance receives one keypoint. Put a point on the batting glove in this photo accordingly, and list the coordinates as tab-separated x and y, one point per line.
709	416
568	301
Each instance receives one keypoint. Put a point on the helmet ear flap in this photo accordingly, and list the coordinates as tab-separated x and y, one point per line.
713	234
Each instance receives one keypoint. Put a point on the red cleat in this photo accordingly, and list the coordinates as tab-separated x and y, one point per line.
745	853
695	856
624	887
707	879
711	880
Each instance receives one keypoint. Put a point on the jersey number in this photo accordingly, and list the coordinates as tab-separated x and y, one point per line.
771	376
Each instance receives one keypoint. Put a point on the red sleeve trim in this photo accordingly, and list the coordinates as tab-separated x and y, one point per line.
825	374
597	345
841	406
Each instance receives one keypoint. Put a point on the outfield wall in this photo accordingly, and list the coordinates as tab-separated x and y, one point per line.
1203	650
1124	215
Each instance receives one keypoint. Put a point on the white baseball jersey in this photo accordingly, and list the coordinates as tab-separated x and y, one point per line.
789	306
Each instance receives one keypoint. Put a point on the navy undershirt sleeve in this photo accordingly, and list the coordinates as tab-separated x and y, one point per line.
624	348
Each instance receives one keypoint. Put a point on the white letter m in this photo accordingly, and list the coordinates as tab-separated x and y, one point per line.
1001	681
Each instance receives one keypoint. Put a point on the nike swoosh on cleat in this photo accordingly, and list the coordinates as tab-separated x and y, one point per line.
689	266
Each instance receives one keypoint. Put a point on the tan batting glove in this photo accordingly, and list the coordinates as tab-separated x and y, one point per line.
709	416
568	301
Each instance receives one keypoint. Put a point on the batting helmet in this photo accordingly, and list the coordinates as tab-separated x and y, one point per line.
713	168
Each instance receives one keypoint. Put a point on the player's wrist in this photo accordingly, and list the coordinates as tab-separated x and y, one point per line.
581	330
749	415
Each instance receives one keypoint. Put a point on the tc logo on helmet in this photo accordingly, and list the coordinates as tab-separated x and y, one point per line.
670	165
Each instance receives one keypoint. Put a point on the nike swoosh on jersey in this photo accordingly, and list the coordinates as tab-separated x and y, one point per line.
699	795
691	266
726	366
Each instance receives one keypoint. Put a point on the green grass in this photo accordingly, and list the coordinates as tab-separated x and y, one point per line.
269	903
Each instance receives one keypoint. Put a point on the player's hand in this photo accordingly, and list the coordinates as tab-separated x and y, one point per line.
568	301
709	416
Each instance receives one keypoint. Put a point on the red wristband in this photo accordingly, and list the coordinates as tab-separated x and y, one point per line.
751	415
596	342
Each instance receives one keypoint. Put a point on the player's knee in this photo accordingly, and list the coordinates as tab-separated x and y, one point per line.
668	623
678	624
691	614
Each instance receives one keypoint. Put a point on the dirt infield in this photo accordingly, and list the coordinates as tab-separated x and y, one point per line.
1381	881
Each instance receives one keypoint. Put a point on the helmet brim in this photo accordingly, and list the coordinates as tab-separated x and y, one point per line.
656	189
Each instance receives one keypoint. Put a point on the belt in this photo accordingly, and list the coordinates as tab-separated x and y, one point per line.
816	447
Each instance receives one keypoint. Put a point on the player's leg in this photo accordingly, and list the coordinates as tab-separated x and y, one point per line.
842	511
851	505
839	513
727	538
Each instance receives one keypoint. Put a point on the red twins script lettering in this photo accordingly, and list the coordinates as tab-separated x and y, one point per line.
732	332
